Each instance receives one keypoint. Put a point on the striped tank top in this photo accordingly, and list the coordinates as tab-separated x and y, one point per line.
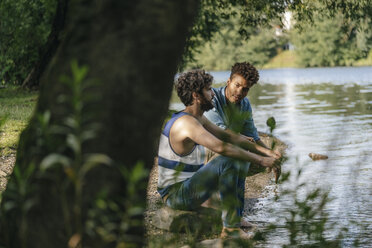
173	168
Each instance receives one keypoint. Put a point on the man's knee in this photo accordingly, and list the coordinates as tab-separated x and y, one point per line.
241	167
228	163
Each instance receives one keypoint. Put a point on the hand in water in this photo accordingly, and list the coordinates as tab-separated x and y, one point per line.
268	162
275	165
277	173
276	154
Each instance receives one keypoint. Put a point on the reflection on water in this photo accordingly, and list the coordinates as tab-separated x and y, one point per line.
327	111
330	119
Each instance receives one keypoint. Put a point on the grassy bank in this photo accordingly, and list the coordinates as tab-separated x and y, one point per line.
287	59
16	107
281	60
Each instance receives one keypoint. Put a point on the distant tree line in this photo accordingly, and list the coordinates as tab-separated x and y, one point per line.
225	32
258	46
332	41
325	41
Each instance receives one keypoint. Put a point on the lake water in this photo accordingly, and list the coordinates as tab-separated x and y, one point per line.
326	111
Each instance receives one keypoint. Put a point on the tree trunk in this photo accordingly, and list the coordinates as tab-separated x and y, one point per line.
132	49
49	49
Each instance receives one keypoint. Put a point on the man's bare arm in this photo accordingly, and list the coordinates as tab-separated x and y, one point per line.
195	131
259	142
238	140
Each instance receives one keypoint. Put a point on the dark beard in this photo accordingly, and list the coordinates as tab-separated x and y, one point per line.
205	104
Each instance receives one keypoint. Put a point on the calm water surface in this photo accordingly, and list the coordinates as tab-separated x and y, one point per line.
327	111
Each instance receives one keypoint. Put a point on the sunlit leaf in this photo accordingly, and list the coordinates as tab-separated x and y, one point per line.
93	160
54	159
74	143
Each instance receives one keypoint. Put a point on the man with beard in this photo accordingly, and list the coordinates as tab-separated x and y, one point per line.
185	180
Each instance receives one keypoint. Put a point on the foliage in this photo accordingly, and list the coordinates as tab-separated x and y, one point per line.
332	41
24	28
106	219
69	167
213	14
227	32
305	219
77	164
227	47
23	194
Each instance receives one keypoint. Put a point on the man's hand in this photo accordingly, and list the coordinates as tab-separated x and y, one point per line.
269	162
250	139
273	164
276	154
277	172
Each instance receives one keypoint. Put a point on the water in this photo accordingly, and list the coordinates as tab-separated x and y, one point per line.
326	111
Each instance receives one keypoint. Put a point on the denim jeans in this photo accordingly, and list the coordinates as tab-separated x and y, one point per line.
222	174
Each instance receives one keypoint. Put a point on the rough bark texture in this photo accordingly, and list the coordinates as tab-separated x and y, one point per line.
132	49
46	52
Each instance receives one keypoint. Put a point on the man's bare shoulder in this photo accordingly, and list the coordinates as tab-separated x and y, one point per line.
185	128
186	122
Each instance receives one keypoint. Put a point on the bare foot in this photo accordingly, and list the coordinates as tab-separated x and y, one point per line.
244	223
228	233
213	202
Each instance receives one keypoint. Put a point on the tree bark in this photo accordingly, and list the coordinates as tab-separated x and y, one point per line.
46	52
132	49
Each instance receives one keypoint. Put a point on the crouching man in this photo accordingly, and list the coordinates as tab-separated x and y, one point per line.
185	180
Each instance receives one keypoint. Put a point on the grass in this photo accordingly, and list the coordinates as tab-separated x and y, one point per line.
366	61
287	59
16	106
283	59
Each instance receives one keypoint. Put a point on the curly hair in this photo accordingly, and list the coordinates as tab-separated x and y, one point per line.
192	81
247	71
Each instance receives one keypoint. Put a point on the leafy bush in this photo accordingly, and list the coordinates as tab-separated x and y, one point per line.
24	29
332	42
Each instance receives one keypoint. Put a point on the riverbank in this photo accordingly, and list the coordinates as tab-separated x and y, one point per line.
288	59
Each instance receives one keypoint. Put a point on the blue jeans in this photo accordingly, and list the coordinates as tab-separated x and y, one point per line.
222	174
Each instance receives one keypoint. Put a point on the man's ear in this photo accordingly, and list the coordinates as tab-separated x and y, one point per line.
228	81
195	95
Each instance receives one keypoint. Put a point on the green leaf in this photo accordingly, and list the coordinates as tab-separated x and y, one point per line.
271	123
9	205
93	160
74	143
71	122
54	159
79	73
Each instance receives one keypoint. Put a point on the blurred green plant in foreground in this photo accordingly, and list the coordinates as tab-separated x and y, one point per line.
66	166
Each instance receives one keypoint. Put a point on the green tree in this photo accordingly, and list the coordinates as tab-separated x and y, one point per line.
228	46
24	29
332	40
